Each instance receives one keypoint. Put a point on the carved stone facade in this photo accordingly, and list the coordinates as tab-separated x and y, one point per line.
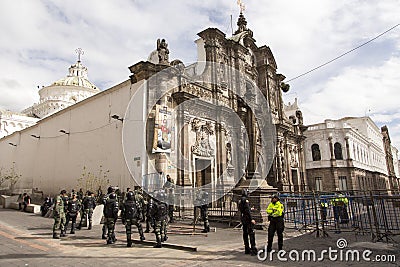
201	99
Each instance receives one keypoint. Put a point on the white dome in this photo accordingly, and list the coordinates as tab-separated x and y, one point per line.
77	77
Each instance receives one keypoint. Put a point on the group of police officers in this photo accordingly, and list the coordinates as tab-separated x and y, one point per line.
133	206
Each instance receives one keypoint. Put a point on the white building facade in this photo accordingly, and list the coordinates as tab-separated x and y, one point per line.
348	154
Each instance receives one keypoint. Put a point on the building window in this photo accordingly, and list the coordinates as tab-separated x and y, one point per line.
316	154
342	183
318	183
338	151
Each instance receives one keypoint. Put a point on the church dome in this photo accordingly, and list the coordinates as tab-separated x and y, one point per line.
77	77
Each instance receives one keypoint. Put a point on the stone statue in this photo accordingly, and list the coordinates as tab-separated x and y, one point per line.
163	52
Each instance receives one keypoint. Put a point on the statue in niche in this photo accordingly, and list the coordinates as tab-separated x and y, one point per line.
163	52
203	131
299	116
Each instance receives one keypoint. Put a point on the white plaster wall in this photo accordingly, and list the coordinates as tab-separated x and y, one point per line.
56	160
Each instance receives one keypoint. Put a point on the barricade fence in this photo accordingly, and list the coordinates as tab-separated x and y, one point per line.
374	213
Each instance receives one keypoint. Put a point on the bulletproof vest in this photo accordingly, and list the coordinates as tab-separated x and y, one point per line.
88	203
111	208
130	209
162	211
65	200
73	206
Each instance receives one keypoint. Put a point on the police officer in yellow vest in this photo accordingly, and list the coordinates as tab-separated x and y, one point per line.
339	204
276	223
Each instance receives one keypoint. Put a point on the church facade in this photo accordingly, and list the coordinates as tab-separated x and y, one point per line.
220	122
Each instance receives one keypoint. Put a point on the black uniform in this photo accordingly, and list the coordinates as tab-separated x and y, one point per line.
149	217
131	214
160	213
73	208
202	203
89	204
111	216
247	224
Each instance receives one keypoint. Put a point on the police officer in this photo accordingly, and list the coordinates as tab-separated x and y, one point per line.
59	215
104	200
89	203
160	213
74	206
248	224
149	217
276	223
131	214
202	203
169	188
111	216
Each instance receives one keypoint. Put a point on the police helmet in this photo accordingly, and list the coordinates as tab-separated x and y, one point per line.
161	195
113	196
129	195
110	189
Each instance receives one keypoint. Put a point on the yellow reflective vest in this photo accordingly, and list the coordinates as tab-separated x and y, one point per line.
275	209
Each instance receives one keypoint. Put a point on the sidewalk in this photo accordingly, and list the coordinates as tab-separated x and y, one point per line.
27	241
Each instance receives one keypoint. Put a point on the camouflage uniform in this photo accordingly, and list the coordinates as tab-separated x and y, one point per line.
59	216
160	213
131	215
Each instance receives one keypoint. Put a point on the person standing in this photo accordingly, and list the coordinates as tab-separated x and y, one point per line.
104	200
276	223
111	216
248	224
160	213
202	203
74	206
59	215
149	216
89	204
169	188
131	214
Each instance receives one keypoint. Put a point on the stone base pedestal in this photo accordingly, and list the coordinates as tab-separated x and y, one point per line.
259	196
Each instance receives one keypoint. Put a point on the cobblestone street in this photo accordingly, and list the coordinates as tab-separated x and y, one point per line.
27	241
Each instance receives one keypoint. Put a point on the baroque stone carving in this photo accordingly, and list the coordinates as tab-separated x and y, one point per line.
203	131
163	52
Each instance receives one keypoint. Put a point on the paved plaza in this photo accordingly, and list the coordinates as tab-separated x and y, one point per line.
26	240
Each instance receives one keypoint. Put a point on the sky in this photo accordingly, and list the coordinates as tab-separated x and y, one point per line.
40	38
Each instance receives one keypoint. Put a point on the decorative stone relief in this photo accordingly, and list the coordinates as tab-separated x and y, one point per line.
203	131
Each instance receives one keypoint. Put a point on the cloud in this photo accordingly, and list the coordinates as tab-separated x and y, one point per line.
41	37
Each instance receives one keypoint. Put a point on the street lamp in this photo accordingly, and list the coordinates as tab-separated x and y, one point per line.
64	132
12	144
116	117
35	136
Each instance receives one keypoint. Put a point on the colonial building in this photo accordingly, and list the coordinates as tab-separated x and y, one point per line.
350	154
216	123
61	94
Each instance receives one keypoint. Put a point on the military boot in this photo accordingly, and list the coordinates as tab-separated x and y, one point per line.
128	240
72	229
90	226
246	250
142	238
158	245
63	233
79	226
55	236
104	234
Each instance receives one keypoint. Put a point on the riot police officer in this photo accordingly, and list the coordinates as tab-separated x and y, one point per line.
59	215
111	216
248	224
160	213
149	217
131	214
202	203
89	204
104	200
169	188
74	206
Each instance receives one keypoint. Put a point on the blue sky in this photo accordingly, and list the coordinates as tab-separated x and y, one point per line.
40	38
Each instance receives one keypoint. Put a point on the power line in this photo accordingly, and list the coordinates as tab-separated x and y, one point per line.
342	55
